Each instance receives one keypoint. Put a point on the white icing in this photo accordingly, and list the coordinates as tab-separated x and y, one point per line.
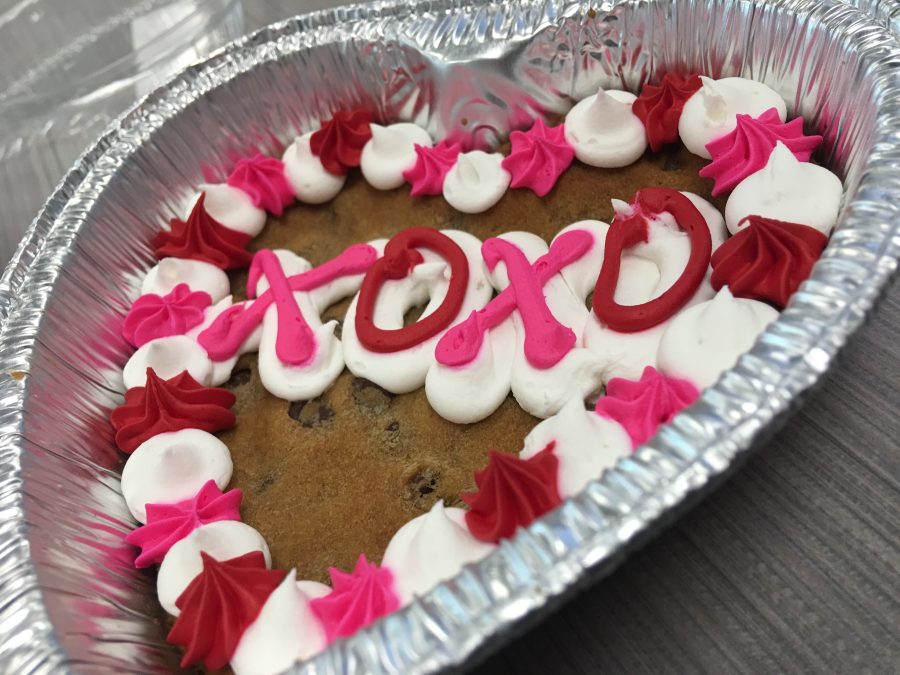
285	631
585	443
223	540
297	382
168	356
404	371
707	339
472	392
787	189
172	467
647	271
233	208
429	549
390	152
604	131
311	182
469	393
165	275
476	182
712	111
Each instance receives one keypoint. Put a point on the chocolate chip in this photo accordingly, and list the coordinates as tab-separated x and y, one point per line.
370	396
238	378
671	160
310	413
393	427
421	484
267	481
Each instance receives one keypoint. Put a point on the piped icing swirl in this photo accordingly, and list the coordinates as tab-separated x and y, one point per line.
767	259
162	405
604	131
789	190
512	493
538	157
200	237
219	605
429	549
262	179
427	175
659	107
168	273
170	523
390	153
339	142
154	316
642	406
358	598
746	149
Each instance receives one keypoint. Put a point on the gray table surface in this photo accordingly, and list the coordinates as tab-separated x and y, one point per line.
791	566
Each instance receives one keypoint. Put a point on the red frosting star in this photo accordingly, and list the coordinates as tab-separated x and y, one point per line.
767	260
358	599
200	237
218	606
170	405
170	523
339	142
512	493
659	107
262	179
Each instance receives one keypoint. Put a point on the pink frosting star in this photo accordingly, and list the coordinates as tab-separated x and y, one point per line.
153	316
746	150
170	523
431	167
358	599
262	178
538	157
641	407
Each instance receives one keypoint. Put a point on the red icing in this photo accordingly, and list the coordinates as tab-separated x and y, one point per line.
512	493
538	157
169	523
153	316
628	231
223	338
169	405
767	260
202	238
218	606
659	107
339	142
400	256
746	150
431	168
546	340
358	599
262	178
641	407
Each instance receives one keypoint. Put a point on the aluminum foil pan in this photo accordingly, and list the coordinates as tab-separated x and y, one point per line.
71	597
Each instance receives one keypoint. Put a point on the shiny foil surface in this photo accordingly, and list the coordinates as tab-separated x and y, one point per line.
72	600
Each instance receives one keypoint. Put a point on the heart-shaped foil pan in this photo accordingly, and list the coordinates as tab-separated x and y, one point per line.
71	597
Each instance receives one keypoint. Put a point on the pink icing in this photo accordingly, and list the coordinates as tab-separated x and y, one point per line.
431	167
546	340
359	598
224	337
538	157
153	316
746	149
262	178
170	523
642	406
